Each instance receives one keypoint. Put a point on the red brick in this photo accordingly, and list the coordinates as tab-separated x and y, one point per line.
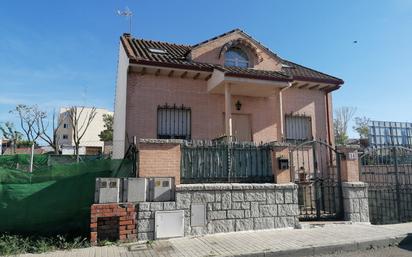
93	225
126	222
131	226
125	232
123	237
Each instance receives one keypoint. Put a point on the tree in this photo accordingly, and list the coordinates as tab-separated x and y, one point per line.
29	116
42	128
80	121
10	133
342	117
362	126
107	133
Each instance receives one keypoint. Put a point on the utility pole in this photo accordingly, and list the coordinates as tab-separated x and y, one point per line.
128	14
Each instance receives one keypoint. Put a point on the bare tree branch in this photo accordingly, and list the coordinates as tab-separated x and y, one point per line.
79	126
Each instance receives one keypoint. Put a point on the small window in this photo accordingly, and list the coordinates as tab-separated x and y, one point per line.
298	128
65	136
65	125
173	122
235	57
157	51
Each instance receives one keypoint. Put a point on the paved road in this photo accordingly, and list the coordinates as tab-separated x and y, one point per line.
402	251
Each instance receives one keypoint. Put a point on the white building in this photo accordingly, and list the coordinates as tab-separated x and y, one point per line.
90	142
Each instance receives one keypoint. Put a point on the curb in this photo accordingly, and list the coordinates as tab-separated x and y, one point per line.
330	249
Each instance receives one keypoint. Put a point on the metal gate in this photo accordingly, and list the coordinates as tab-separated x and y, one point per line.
315	168
388	172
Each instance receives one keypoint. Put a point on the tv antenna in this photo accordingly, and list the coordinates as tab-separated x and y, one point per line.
128	14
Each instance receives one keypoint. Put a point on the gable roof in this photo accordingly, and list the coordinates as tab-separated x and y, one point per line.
174	55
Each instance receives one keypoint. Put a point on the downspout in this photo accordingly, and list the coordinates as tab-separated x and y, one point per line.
281	108
328	114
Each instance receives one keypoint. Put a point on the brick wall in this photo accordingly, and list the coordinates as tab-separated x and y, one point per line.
209	53
115	222
145	93
159	159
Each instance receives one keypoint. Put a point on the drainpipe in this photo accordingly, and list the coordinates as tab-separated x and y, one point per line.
328	118
281	108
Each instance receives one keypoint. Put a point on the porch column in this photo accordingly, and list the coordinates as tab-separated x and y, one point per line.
228	112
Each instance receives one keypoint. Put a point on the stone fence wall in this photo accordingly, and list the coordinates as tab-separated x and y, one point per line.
227	208
355	201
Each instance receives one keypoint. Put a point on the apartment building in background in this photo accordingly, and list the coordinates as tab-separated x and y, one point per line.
90	143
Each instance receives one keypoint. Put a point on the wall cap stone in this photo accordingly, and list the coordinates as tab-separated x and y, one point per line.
160	141
233	186
347	148
354	184
189	187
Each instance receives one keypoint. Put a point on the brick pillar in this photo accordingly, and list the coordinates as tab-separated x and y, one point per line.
349	163
282	176
355	192
160	158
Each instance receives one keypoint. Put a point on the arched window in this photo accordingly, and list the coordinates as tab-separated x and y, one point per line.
237	58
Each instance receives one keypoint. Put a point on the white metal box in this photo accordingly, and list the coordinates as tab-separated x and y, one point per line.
108	190
169	224
161	189
135	190
198	215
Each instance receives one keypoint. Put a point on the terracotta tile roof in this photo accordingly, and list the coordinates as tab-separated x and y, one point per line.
173	55
256	74
299	72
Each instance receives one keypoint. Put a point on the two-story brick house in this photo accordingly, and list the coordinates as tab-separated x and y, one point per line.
230	85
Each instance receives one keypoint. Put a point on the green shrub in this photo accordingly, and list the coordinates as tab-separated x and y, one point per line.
16	244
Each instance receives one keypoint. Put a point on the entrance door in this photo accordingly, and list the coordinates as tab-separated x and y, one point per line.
242	129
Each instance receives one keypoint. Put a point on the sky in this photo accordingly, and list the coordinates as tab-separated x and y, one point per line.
63	53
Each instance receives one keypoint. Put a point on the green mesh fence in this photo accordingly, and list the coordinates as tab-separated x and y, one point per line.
22	161
53	199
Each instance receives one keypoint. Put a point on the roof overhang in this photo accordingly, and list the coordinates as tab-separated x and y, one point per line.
169	71
315	85
244	86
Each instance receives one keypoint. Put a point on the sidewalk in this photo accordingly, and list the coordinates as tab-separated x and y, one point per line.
298	242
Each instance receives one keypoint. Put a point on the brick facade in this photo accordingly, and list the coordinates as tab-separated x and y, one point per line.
159	160
115	222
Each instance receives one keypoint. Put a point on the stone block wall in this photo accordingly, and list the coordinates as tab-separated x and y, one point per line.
355	201
229	208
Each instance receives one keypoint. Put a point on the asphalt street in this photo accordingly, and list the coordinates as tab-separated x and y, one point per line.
395	251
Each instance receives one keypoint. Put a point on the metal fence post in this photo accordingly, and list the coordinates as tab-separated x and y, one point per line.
398	193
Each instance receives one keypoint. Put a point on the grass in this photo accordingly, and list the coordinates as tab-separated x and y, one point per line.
16	244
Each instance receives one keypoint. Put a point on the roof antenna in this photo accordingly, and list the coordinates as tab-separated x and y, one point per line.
129	14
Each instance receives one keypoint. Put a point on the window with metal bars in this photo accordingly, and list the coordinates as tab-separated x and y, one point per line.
174	122
298	128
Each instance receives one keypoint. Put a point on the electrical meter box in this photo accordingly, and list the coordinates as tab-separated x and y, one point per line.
161	189
108	190
169	224
135	189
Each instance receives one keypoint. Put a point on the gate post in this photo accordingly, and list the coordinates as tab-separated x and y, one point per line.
354	192
281	174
